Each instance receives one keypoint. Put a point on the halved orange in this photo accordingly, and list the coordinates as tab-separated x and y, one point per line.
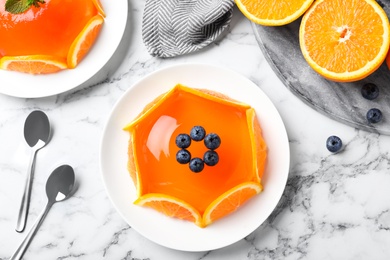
83	42
230	201
33	64
345	40
171	207
273	12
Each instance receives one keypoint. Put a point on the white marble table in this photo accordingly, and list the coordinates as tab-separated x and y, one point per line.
335	206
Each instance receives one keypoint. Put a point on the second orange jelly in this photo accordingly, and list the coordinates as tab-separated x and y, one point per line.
47	30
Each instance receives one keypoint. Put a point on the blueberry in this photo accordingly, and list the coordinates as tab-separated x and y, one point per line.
196	165
183	156
370	91
183	141
212	141
334	143
210	158
374	115
197	133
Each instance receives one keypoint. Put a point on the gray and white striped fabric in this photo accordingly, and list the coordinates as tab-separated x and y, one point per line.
176	27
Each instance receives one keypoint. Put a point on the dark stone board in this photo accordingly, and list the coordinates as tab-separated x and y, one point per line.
340	101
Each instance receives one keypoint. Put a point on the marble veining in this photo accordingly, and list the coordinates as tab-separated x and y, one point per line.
334	206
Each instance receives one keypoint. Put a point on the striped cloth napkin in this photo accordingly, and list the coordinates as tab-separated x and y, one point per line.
176	27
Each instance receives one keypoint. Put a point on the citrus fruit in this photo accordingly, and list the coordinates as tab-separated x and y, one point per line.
230	201
344	40
216	160
388	60
83	42
171	207
48	30
33	64
273	12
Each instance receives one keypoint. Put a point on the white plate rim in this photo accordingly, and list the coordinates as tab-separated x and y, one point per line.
157	227
36	86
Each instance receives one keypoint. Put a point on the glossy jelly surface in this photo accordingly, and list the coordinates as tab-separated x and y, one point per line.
47	30
155	149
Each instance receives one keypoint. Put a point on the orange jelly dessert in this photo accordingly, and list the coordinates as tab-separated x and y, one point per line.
49	37
196	154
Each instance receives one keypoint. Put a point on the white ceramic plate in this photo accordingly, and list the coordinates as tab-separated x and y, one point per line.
178	234
35	86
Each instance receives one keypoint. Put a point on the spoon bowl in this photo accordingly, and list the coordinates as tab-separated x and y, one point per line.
37	128
60	184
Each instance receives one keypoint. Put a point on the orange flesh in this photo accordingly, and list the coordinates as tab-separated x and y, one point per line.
273	10
47	30
232	203
156	149
341	40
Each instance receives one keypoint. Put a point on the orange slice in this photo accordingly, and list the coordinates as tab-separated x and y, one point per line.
83	42
99	7
273	12
33	64
345	40
230	201
171	207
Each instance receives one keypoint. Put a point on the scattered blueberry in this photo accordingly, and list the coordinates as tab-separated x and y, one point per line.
210	158
183	141
334	143
197	133
196	165
212	141
183	156
374	115
370	91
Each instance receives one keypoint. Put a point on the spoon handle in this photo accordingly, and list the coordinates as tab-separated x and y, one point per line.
26	242
25	203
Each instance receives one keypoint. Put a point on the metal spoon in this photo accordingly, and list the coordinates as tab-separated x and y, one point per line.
59	186
36	133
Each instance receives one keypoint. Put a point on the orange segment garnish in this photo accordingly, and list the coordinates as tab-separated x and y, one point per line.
99	7
83	42
230	201
259	149
273	12
131	166
33	64
345	40
171	207
152	149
